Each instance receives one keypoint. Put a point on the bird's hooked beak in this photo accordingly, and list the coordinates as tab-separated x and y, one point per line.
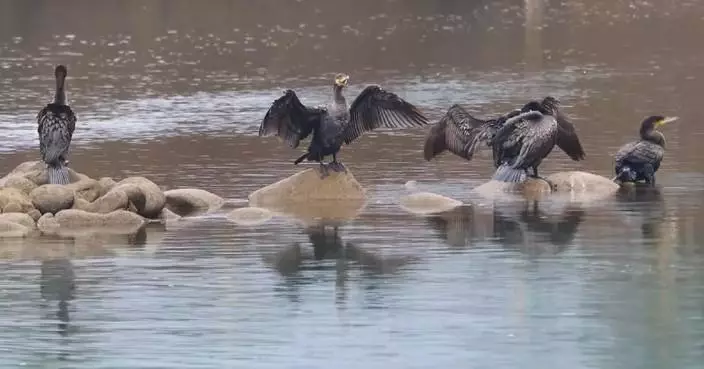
341	80
665	120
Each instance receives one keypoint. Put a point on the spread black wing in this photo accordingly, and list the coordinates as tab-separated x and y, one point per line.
290	120
374	108
458	132
567	139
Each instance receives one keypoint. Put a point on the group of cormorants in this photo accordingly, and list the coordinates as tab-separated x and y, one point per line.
519	140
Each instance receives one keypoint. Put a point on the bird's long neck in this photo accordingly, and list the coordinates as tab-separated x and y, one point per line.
338	98
653	136
60	95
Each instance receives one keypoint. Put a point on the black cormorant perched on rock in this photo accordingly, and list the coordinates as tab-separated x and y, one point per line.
336	124
462	134
639	160
56	123
524	140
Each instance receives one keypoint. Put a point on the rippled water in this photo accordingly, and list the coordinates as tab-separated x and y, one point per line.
175	90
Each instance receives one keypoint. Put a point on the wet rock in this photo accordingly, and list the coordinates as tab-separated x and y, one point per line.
13	200
35	214
36	172
573	181
18	218
52	198
250	216
12	230
74	221
192	201
111	201
154	199
21	183
85	188
168	215
532	188
106	184
427	203
307	186
80	204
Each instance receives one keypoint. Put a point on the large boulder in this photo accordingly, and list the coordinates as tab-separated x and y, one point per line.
144	194
73	221
85	188
52	198
192	201
13	200
307	186
111	201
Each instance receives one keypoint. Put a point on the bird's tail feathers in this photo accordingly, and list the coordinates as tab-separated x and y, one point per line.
505	173
58	174
300	159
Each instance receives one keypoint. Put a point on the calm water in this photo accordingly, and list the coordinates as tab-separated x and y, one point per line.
175	90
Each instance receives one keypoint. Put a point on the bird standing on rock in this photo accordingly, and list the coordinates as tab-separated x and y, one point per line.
639	160
335	123
524	140
56	123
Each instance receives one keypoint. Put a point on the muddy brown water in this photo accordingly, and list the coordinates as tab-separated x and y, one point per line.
175	90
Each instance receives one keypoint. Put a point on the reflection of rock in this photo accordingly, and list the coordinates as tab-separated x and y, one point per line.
308	186
12	229
428	203
52	198
250	216
456	226
192	201
19	218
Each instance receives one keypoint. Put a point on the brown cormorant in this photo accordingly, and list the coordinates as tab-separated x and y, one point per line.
639	160
56	123
524	140
463	135
336	124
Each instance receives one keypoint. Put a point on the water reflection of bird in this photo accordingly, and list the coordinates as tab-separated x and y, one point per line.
525	140
643	205
58	283
457	226
520	139
640	160
56	123
527	224
335	124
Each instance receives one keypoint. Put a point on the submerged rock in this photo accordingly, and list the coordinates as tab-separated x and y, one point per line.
250	216
52	198
192	201
428	203
307	186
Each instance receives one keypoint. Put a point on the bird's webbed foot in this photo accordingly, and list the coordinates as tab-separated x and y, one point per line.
338	167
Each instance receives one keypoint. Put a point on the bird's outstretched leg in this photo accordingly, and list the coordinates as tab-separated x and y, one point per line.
323	170
336	165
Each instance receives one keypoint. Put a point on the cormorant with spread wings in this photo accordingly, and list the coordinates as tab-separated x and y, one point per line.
336	124
463	135
524	140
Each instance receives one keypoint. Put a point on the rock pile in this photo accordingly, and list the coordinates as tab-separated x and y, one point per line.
29	205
